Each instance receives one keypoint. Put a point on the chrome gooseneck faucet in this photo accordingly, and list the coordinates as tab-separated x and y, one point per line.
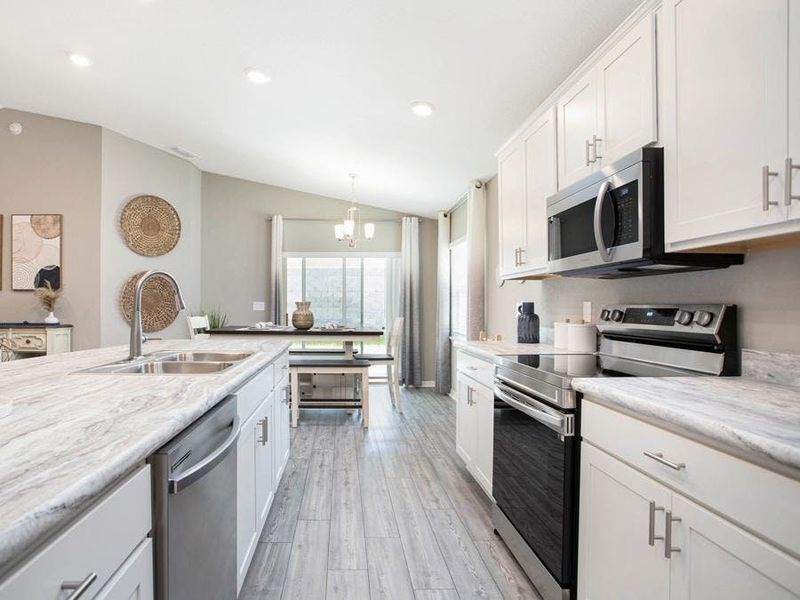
137	338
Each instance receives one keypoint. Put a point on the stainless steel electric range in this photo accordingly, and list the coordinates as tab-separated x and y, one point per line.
537	422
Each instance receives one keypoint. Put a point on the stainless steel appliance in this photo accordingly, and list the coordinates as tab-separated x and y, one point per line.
195	509
611	224
537	417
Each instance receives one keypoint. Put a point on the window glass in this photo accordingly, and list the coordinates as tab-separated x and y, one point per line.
458	289
324	288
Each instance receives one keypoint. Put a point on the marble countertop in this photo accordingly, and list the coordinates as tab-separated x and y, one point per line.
490	349
750	418
65	437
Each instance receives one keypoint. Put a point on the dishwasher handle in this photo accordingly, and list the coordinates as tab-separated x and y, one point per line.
178	484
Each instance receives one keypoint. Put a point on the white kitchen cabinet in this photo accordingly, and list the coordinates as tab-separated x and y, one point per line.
475	428
246	509
615	558
511	207
134	579
611	110
792	175
466	420
282	417
266	443
725	108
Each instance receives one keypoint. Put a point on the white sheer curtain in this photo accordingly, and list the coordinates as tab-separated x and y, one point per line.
476	259
443	376
277	295
410	303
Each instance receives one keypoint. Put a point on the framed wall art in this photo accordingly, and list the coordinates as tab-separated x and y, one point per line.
35	251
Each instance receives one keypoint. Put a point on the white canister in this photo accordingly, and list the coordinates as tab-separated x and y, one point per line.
581	337
560	335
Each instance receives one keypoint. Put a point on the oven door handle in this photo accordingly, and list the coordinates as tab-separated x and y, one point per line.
562	424
602	249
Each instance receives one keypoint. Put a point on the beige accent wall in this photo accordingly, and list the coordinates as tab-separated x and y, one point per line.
129	169
236	238
54	167
766	289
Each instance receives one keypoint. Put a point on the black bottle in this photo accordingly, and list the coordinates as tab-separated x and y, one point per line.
527	324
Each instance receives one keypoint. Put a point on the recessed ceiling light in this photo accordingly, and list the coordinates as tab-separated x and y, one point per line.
422	109
79	60
258	77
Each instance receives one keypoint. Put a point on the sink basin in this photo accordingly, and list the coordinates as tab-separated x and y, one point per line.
227	357
160	367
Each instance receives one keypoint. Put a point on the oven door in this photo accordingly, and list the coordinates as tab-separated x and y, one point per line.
599	224
534	477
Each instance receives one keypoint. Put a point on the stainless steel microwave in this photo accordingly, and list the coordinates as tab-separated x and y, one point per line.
611	224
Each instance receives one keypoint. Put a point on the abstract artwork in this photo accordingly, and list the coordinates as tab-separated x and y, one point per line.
35	251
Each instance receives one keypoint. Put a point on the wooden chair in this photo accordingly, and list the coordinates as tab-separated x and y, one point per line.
391	360
299	365
196	324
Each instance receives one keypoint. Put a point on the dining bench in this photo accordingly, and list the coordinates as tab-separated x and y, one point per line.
316	365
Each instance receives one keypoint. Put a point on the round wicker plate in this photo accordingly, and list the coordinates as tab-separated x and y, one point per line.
150	225
159	309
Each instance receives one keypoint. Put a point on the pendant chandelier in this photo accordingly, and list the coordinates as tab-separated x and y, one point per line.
348	230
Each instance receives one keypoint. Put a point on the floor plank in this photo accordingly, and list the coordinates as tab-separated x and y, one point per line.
348	585
285	509
306	575
436	595
267	572
317	497
379	519
347	550
506	572
388	573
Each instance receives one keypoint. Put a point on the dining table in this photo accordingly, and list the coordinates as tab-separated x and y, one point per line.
346	335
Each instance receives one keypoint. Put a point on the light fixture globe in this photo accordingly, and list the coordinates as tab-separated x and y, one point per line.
422	109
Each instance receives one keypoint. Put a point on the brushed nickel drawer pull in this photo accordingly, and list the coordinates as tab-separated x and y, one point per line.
790	168
80	587
659	458
651	536
765	175
668	547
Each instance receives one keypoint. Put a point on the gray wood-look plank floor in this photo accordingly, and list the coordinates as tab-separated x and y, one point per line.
386	513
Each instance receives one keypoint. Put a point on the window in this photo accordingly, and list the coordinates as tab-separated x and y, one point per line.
458	288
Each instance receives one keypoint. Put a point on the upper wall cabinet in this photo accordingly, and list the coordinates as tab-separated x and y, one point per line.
729	124
527	176
611	110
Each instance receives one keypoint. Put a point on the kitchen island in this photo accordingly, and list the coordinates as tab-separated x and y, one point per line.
69	436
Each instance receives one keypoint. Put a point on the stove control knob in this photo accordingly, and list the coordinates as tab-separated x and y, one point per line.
616	315
703	318
604	314
684	317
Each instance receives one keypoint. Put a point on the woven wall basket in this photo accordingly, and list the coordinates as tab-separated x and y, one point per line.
159	309
150	225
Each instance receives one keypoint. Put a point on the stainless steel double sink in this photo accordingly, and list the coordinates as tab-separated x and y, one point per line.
173	363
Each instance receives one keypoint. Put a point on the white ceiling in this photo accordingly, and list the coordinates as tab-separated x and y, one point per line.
171	72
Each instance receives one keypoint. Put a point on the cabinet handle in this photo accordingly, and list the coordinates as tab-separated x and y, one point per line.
790	167
588	154
80	587
765	175
659	458
521	254
668	547
285	395
651	535
264	431
596	139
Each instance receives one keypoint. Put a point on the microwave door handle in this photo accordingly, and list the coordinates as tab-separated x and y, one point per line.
605	254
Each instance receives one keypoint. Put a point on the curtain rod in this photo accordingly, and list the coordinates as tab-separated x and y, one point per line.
338	220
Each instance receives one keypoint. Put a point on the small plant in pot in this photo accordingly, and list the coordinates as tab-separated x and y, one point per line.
48	297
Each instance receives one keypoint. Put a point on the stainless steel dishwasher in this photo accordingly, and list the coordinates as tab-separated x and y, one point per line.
194	496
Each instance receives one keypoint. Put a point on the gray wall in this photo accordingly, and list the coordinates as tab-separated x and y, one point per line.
129	169
54	167
766	289
236	238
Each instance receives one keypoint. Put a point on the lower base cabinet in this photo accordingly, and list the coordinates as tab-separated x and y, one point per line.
134	580
640	539
474	429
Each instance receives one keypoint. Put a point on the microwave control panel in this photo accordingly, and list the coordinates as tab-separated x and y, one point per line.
626	217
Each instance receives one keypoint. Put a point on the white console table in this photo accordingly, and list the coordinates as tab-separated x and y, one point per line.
22	340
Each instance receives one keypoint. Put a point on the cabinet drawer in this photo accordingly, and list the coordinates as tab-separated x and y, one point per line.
28	342
134	580
282	366
253	393
99	542
478	369
754	497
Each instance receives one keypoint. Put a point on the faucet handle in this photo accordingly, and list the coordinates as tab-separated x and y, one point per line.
147	338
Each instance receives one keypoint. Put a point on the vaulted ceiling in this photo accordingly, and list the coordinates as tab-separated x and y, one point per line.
344	73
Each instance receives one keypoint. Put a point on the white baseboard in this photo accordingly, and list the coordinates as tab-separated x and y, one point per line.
428	384
452	394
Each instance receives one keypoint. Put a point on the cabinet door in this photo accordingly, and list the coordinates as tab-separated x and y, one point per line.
794	108
540	182
465	421
281	428
483	408
725	115
627	94
716	559
134	579
615	558
246	514
511	206
577	124
265	440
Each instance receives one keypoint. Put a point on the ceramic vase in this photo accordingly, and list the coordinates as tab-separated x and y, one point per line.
303	318
51	319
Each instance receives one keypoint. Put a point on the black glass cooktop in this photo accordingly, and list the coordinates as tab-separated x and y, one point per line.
567	366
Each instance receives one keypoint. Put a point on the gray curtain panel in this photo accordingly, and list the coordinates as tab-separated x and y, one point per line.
476	259
443	376
410	303
276	292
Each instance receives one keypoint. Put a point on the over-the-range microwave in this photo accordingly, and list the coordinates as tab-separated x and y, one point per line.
611	224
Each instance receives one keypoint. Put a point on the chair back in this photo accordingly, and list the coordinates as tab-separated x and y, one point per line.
196	324
395	337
